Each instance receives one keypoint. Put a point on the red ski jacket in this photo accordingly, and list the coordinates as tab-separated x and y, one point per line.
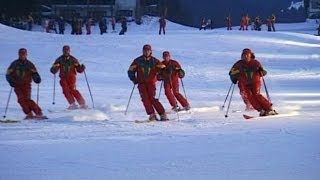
68	66
143	70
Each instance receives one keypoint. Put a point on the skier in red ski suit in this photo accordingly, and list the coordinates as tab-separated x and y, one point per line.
68	67
170	75
19	75
248	72
143	71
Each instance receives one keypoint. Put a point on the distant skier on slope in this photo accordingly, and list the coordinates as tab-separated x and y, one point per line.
19	75
170	75
68	67
143	71
248	72
162	25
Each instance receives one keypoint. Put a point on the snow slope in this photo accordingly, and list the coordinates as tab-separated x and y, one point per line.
103	143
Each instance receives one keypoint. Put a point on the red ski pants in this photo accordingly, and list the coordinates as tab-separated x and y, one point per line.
147	93
251	93
70	92
172	93
24	99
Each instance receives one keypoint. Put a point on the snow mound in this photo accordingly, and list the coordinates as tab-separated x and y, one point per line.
90	115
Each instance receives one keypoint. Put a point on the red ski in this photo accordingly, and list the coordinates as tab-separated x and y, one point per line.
247	116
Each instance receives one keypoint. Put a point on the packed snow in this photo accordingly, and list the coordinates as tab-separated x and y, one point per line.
103	143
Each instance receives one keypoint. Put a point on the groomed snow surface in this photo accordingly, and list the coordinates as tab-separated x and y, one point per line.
103	143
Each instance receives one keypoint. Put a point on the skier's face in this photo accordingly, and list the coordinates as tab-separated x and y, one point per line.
66	52
23	54
147	52
166	57
246	57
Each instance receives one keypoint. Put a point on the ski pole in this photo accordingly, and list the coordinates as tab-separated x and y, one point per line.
265	87
5	111
125	113
160	89
227	95
229	102
54	89
85	75
38	94
184	91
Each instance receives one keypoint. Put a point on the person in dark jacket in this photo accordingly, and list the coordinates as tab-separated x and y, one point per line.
123	26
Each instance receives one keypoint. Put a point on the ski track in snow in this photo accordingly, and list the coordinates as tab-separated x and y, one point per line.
104	143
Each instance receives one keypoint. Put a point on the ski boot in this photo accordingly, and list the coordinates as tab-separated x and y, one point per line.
186	108
268	112
72	106
83	106
153	117
40	116
29	116
176	109
163	117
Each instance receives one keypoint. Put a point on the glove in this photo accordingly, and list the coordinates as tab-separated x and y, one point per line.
159	77
36	77
83	67
12	84
262	71
10	80
181	73
53	70
134	81
233	79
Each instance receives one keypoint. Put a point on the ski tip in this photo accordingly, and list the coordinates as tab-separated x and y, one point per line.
247	116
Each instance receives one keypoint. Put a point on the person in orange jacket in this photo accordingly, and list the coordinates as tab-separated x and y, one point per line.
143	71
68	67
247	72
243	21
170	76
20	74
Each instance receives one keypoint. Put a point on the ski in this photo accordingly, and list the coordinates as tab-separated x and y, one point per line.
249	117
293	113
9	121
148	121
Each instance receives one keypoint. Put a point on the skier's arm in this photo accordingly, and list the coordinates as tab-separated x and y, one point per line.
9	77
79	67
132	72
35	75
55	66
234	73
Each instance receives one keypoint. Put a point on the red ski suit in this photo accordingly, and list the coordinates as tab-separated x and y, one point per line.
68	67
20	74
249	75
144	71
170	77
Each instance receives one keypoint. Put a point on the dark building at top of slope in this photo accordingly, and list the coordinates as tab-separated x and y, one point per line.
190	12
